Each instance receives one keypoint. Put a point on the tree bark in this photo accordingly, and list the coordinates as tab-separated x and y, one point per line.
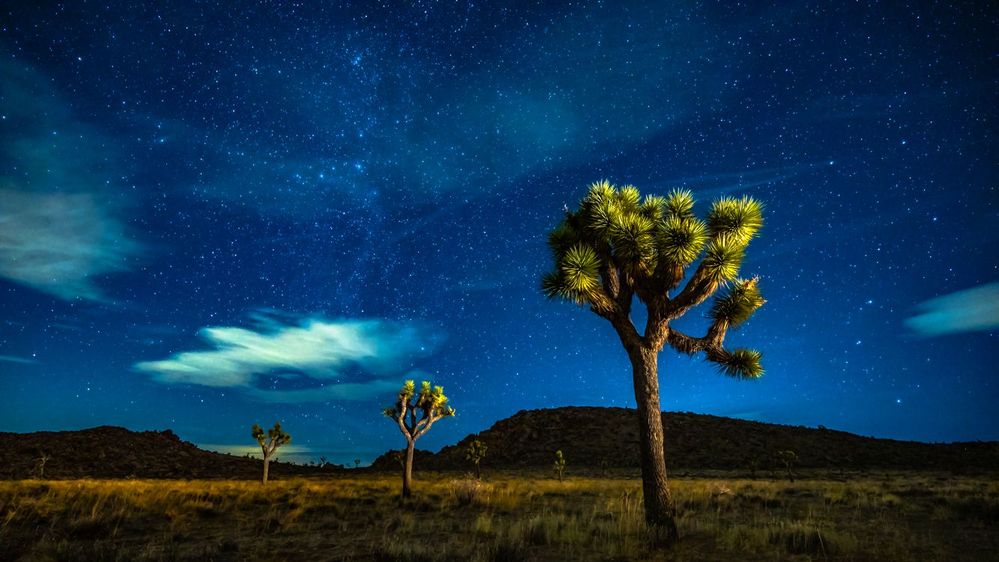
660	511
407	473
266	466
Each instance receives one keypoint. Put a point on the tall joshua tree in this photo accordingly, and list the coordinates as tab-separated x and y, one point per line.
269	442
432	405
617	247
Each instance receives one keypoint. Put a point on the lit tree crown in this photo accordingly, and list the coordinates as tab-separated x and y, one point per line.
476	451
272	439
617	246
430	402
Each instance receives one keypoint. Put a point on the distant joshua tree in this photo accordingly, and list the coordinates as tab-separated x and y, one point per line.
617	247
788	458
40	464
269	442
432	406
475	453
357	463
559	466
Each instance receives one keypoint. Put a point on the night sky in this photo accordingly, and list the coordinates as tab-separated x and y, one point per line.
212	216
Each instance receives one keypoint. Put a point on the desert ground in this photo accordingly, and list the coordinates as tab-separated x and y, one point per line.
507	516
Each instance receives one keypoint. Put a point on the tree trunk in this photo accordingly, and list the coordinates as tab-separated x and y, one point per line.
478	472
659	509
266	466
407	473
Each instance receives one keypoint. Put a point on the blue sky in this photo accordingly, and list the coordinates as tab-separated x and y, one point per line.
212	217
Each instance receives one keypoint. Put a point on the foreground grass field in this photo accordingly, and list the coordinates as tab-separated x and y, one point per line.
506	517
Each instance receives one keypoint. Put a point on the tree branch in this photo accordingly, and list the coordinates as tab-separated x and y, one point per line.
696	291
430	421
401	419
711	343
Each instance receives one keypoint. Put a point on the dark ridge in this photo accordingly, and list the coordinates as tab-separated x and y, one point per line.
608	437
116	452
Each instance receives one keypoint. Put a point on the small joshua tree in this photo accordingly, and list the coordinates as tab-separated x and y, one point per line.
788	458
475	453
432	405
269	442
618	248
357	463
559	466
40	464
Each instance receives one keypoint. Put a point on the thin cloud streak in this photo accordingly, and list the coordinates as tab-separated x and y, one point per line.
19	360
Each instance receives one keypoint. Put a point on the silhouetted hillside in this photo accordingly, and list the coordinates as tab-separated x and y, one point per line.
115	452
608	437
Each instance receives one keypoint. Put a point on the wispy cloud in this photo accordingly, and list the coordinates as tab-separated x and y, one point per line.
15	359
58	242
57	230
310	360
969	310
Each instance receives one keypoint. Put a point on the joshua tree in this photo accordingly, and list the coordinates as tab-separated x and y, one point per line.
432	405
40	464
269	442
475	453
617	247
357	463
559	466
788	458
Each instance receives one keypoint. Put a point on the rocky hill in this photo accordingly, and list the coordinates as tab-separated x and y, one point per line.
115	452
608	437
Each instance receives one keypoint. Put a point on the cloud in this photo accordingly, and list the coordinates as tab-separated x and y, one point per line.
970	310
20	360
58	231
58	242
308	361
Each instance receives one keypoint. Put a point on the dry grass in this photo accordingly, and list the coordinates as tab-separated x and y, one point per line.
509	517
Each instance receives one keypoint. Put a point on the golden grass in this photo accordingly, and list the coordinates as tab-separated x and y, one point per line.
507	517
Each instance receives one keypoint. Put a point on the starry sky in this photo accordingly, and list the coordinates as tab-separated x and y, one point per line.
212	216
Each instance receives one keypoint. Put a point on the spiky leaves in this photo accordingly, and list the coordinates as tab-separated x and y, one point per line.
738	303
430	402
580	270
433	402
577	277
275	435
680	204
618	245
723	258
633	239
737	219
615	232
742	364
681	240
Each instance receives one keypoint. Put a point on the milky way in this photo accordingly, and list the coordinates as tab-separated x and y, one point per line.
212	216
